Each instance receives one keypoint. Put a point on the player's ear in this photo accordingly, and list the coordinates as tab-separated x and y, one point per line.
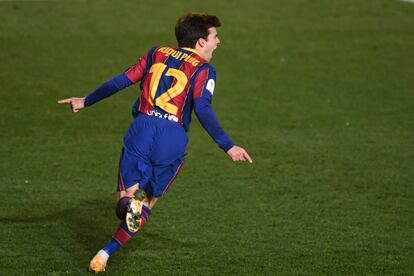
201	42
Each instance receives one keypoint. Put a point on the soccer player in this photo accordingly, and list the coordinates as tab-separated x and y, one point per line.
173	82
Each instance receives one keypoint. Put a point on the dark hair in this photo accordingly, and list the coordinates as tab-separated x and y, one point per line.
192	26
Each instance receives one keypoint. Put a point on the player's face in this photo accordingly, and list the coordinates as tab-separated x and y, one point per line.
210	44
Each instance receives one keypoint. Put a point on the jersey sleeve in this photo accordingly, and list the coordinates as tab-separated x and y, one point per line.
129	77
107	89
204	84
202	96
138	70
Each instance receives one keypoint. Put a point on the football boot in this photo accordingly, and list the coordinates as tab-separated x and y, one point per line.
97	264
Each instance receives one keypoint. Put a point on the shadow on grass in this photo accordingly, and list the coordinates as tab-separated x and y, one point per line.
84	225
87	225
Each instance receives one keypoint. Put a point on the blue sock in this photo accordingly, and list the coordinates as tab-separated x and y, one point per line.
123	235
119	239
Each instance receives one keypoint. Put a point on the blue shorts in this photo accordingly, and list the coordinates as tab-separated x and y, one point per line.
153	154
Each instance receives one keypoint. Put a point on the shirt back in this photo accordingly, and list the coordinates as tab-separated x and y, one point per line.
171	79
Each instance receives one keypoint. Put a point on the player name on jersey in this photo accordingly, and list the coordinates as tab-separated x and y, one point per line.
167	51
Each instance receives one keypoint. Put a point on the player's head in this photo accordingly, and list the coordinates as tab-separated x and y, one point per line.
198	31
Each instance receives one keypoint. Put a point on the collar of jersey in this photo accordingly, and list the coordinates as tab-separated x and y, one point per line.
192	50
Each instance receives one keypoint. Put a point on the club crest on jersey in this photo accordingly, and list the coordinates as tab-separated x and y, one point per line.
210	86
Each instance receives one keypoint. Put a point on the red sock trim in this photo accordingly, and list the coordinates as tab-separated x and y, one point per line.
121	236
143	221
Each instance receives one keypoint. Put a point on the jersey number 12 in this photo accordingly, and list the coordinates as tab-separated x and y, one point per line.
162	100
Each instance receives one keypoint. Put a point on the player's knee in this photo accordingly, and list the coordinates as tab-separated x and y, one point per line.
131	191
121	207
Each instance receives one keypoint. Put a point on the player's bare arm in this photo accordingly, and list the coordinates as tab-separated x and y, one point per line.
75	103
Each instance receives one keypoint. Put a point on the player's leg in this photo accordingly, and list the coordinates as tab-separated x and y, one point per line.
168	156
137	204
132	192
155	181
134	168
123	234
129	206
137	208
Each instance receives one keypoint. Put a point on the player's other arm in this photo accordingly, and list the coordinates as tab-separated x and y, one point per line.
210	123
204	84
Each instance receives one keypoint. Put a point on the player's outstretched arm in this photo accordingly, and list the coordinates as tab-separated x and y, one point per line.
107	89
237	153
75	103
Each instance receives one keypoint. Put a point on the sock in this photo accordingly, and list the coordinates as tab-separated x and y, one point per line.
119	239
104	255
145	213
123	235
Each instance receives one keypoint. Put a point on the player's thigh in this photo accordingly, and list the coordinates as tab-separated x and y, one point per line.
134	172
170	145
164	176
135	162
139	138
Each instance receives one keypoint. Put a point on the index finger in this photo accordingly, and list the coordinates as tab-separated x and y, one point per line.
247	157
68	100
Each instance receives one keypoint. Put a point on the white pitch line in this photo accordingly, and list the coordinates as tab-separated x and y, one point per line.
408	1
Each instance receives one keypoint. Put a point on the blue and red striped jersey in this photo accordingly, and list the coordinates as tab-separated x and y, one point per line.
173	82
171	79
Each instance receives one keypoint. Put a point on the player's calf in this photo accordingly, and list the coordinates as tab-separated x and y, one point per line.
137	213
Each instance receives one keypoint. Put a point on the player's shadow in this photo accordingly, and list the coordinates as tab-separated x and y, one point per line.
87	223
90	224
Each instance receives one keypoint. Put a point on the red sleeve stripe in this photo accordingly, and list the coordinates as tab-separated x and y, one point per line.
199	83
189	70
136	72
188	89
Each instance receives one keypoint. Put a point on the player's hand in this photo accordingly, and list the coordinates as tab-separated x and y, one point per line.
239	154
75	103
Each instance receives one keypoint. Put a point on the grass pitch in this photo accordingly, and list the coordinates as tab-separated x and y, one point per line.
319	92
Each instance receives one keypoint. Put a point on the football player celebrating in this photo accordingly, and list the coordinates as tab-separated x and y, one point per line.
173	82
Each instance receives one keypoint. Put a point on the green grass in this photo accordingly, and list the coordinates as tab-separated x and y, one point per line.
319	92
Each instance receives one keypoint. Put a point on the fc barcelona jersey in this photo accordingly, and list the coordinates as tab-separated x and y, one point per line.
173	82
171	79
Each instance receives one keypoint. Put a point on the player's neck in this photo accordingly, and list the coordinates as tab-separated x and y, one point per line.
199	51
